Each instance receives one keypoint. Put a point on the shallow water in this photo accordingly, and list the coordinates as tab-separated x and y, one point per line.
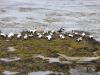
70	14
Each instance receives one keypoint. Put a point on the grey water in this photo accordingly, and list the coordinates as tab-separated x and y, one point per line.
16	15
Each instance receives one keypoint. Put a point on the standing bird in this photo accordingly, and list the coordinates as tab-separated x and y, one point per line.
10	35
61	30
25	36
79	39
3	35
76	33
39	35
91	36
33	31
49	37
70	35
83	34
19	35
62	36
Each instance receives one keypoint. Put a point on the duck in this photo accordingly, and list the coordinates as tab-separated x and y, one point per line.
33	31
25	36
62	36
91	36
49	37
79	39
10	35
2	34
83	34
19	35
70	35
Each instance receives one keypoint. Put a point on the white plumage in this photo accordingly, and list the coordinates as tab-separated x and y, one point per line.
26	36
30	35
2	34
19	35
10	35
70	35
62	36
33	31
79	39
39	36
91	36
52	31
49	37
83	34
76	33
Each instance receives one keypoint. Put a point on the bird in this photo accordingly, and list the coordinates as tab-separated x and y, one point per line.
49	37
38	33
25	36
33	31
30	35
62	36
40	36
61	30
70	35
91	36
19	35
3	35
76	33
79	39
52	31
83	34
45	32
10	35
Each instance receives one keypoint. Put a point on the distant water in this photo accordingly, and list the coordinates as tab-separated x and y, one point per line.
70	14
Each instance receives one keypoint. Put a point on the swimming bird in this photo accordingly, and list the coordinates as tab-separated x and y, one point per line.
62	36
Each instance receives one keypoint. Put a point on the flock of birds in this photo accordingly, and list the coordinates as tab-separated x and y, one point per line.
49	35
